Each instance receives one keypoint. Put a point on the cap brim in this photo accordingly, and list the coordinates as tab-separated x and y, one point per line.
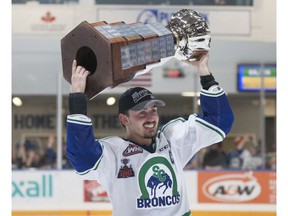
145	104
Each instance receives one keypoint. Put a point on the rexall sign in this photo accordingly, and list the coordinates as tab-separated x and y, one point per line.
33	186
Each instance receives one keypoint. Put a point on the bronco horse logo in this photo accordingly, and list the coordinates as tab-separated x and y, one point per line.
158	180
157	184
158	177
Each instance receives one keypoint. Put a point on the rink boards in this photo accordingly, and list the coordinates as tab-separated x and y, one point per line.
232	193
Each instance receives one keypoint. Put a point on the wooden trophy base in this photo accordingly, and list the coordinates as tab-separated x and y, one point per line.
113	53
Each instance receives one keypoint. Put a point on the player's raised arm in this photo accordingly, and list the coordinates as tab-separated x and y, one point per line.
214	102
82	149
77	98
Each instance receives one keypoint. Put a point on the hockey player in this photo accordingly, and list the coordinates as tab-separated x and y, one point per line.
143	172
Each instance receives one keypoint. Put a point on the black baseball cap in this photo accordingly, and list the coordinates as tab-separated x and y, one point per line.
137	99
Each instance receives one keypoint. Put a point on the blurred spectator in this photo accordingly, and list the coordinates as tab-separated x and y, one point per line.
271	159
16	159
255	162
215	158
29	154
238	158
34	159
48	160
65	162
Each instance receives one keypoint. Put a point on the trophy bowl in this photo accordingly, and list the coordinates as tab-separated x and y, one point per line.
191	34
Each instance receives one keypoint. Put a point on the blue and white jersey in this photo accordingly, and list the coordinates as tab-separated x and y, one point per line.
137	181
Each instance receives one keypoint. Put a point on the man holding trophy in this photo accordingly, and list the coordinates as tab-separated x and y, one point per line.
143	171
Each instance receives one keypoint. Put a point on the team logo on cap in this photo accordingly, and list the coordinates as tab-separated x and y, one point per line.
139	95
157	184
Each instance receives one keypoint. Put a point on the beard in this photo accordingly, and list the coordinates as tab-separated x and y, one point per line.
150	133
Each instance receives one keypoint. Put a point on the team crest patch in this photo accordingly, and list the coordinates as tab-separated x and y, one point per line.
132	150
125	171
157	184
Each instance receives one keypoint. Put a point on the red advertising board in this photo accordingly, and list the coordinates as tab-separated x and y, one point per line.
93	192
237	187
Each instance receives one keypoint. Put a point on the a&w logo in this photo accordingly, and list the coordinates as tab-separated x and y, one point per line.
132	150
235	188
157	184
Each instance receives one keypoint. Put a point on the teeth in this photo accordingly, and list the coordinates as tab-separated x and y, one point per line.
147	125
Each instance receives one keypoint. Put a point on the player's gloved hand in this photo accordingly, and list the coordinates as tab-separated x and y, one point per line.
78	78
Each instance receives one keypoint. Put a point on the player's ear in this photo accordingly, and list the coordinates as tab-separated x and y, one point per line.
123	118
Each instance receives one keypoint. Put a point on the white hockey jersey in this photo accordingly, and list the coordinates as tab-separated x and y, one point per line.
137	181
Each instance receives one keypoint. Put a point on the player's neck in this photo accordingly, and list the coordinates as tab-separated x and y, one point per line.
147	144
140	141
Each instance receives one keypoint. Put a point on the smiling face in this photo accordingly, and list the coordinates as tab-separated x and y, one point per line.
141	126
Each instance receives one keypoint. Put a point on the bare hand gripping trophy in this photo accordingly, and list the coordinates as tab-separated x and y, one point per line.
114	53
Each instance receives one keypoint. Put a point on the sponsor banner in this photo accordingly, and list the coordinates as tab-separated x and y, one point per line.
40	187
214	18
49	20
55	190
42	20
94	192
35	190
60	19
237	187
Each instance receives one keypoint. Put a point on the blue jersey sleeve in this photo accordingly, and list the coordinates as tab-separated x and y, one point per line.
216	109
82	150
